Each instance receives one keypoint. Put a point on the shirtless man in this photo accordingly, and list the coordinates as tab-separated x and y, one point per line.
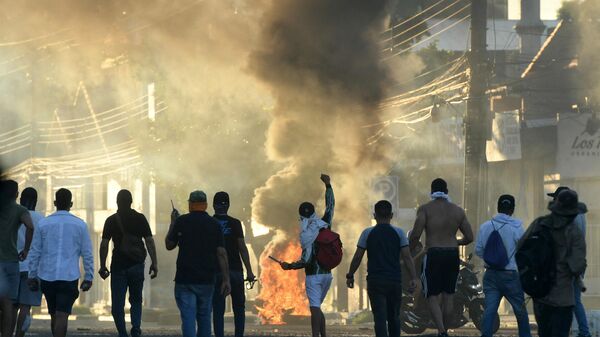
441	220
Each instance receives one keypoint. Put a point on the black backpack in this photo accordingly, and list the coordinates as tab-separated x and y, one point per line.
537	263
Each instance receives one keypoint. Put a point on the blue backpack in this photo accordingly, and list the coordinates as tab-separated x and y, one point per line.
494	253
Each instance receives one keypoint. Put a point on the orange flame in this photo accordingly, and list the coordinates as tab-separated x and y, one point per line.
282	291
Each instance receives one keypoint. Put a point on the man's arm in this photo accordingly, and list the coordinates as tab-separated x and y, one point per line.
224	267
35	254
170	239
300	264
480	242
410	265
86	254
577	260
151	247
329	199
245	258
104	273
356	260
28	222
466	230
418	228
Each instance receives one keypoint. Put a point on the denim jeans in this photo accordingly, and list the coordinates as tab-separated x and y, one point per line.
238	303
553	321
579	311
386	299
498	284
194	302
131	278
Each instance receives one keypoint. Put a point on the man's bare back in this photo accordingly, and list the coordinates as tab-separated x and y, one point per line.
441	220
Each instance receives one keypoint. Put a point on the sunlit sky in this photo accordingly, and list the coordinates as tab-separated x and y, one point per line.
549	9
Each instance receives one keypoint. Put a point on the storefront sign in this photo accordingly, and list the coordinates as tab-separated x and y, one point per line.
579	146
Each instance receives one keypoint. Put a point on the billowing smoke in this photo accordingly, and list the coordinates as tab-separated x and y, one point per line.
211	133
321	63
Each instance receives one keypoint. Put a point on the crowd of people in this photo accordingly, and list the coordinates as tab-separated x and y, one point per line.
41	255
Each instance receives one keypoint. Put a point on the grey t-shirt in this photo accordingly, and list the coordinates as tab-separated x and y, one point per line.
383	243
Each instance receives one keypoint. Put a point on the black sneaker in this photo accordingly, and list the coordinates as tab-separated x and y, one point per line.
136	332
443	334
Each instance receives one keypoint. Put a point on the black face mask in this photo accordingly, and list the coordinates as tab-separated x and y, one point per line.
221	208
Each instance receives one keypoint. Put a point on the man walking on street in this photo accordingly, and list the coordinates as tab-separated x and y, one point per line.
385	246
127	228
440	219
26	298
579	310
60	240
201	255
554	309
237	252
318	279
502	280
12	215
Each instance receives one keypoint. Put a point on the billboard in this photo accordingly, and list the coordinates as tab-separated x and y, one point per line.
578	146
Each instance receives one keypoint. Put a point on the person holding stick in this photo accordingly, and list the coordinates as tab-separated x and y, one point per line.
318	279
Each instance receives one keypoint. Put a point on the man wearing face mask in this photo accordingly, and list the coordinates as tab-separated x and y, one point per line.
237	252
318	279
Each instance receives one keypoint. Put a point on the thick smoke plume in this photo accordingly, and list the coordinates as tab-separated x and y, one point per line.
321	63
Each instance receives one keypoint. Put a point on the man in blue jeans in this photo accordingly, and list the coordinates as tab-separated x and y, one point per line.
579	310
127	271
201	254
505	282
237	252
385	246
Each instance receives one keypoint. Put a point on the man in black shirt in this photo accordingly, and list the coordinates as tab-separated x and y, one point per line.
236	253
127	270
201	249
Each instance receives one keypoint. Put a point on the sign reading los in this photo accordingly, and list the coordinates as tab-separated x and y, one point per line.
579	145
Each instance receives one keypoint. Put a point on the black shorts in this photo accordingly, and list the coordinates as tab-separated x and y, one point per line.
440	271
60	295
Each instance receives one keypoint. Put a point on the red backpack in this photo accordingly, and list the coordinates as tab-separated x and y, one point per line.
329	249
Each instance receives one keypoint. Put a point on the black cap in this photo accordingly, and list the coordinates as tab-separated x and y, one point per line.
557	192
306	209
221	198
506	202
566	204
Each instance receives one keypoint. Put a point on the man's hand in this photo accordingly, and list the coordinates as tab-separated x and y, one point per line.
174	215
33	284
350	281
153	271
225	288
413	285
104	273
325	179
285	266
23	255
250	277
86	285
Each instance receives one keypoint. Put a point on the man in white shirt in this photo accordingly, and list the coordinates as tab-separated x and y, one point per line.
60	240
26	298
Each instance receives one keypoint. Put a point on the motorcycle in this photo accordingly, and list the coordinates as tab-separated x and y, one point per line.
468	302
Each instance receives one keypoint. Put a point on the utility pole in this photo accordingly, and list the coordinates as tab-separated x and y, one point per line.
476	121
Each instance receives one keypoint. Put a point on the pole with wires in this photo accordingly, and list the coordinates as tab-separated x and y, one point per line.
476	121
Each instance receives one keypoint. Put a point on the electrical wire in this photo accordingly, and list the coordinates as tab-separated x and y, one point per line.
423	21
427	39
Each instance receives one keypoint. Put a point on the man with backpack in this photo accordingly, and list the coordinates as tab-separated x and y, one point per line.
496	244
127	228
385	246
550	256
318	276
579	310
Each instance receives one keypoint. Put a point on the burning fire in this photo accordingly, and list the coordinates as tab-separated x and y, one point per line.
282	291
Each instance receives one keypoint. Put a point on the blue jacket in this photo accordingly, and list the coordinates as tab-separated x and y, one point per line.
511	230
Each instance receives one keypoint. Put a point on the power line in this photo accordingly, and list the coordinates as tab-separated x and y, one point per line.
427	39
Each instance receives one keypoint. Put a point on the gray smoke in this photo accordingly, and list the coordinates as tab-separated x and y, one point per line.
321	62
